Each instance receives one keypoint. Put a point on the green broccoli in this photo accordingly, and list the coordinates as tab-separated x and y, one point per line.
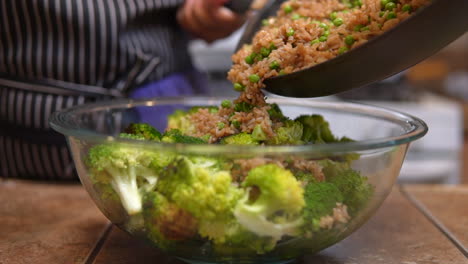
142	129
238	239
239	139
202	189
165	222
126	170
275	210
243	107
131	136
180	120
275	112
316	129
354	187
212	109
320	198
290	133
176	136
258	133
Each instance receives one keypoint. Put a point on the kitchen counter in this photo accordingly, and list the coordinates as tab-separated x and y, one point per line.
58	223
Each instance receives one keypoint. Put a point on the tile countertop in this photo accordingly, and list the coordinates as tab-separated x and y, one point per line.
417	224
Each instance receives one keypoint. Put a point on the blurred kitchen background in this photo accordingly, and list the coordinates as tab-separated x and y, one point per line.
436	90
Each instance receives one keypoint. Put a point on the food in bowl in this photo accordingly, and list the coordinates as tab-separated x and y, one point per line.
249	203
308	32
315	193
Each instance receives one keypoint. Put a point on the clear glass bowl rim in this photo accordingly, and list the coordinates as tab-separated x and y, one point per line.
60	119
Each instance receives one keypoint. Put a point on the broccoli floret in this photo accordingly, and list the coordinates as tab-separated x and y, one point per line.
212	109
176	136
316	129
180	120
273	211
305	177
126	170
132	136
275	112
165	222
290	133
258	133
145	130
243	107
202	189
320	198
354	187
239	239
239	139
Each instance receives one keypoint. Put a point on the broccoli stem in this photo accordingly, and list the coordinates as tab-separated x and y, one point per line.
125	185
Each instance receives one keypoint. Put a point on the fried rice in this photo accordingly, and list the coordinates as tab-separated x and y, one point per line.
308	32
302	34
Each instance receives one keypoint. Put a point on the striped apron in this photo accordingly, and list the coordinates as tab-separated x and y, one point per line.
56	54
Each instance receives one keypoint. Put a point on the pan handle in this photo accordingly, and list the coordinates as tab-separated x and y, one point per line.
238	6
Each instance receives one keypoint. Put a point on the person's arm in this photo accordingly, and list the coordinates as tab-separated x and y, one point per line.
208	19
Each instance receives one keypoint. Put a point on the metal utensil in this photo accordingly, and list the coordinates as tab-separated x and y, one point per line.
418	37
238	6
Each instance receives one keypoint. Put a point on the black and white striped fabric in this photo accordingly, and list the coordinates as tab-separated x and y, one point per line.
56	54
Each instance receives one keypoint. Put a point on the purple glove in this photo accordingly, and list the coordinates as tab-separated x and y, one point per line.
176	85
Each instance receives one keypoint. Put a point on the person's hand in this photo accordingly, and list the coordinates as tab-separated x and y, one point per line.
208	19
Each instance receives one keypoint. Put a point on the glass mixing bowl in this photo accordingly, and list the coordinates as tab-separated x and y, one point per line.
381	139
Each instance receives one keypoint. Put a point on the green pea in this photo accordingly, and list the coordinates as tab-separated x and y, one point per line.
342	50
383	3
290	32
382	13
226	103
239	87
391	15
338	22
323	38
324	26
265	22
406	8
282	72
274	65
288	9
254	78
390	6
333	15
265	52
357	28
250	59
220	125
295	17
364	29
357	3
315	41
349	40
326	33
258	57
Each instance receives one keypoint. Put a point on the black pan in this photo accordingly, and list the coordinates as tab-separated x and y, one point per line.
427	31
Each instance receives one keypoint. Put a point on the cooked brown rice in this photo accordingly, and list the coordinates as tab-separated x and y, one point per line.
303	33
308	32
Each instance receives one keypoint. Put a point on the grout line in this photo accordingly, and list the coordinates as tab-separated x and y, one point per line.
442	228
98	245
